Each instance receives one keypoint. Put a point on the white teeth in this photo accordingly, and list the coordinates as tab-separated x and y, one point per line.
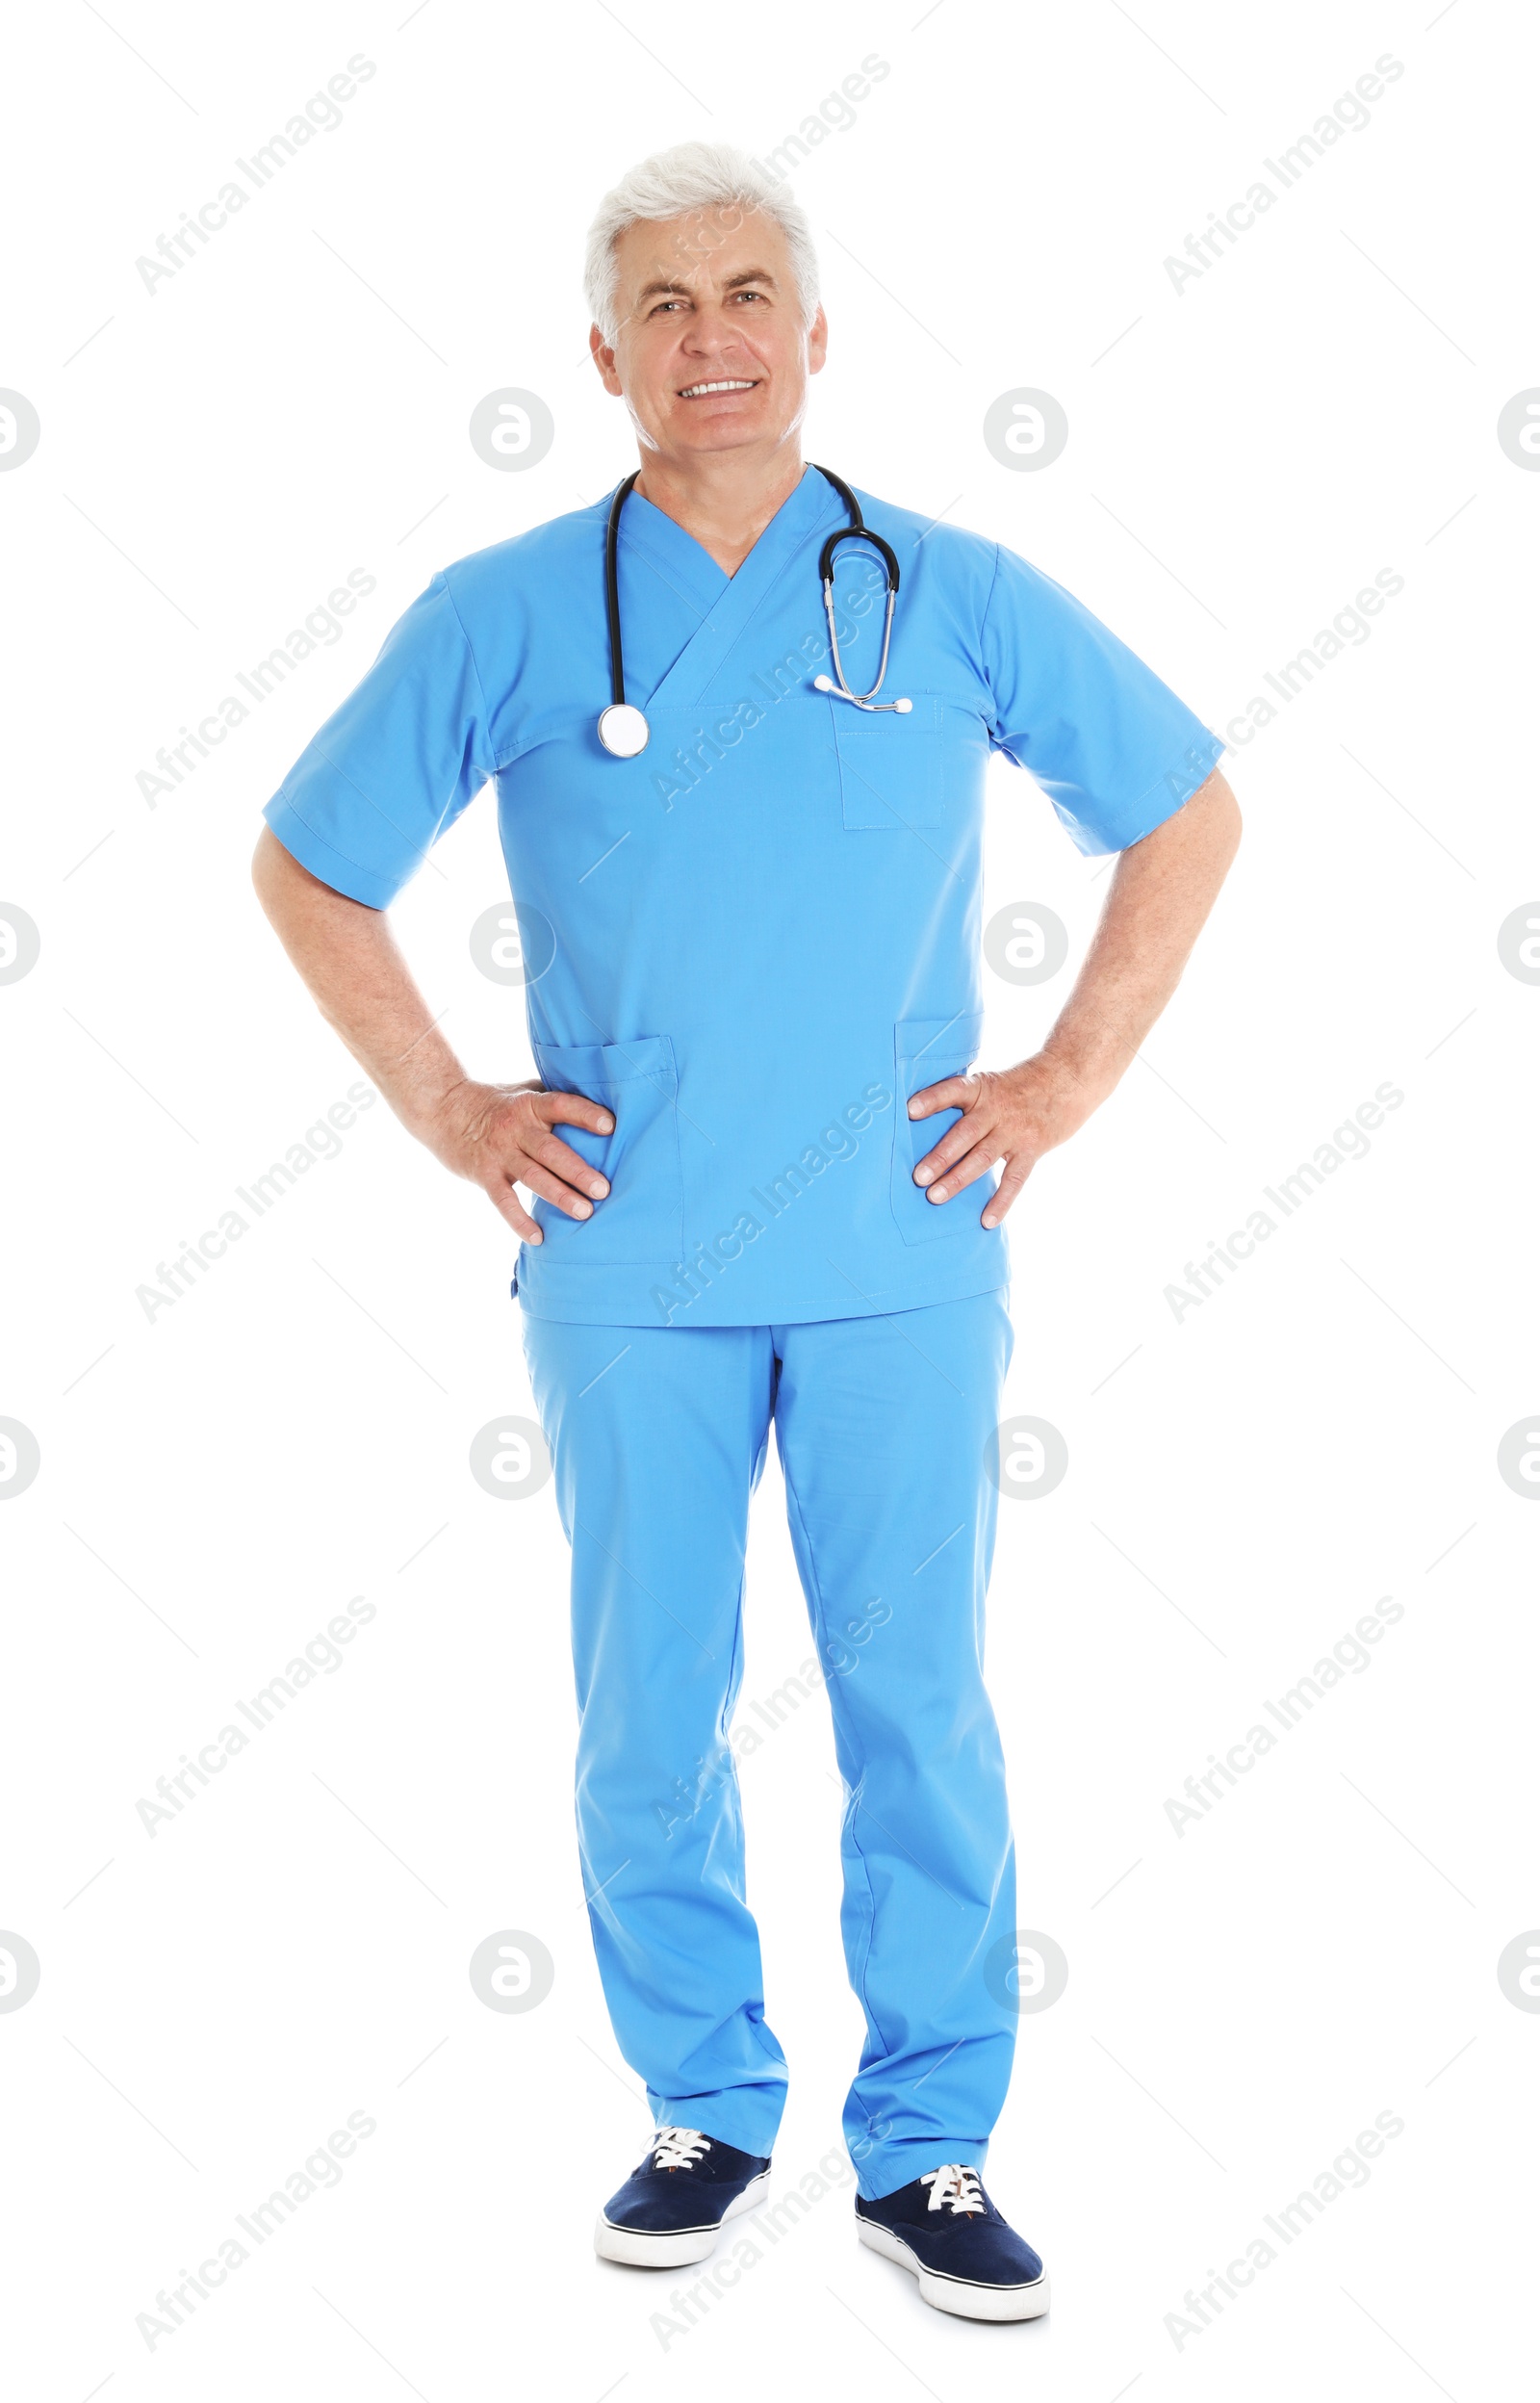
739	384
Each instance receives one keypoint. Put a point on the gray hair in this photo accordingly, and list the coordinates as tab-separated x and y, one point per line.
694	175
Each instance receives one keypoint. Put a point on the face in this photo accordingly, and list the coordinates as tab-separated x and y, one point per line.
712	355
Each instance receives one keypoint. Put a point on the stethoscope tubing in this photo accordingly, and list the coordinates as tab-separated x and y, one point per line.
856	530
617	670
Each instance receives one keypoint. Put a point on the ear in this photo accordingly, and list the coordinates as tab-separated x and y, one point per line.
602	354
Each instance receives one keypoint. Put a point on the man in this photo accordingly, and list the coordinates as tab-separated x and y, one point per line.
754	999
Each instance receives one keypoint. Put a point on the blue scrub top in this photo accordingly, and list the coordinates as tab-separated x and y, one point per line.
755	941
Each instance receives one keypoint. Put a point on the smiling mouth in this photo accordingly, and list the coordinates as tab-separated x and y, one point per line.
723	383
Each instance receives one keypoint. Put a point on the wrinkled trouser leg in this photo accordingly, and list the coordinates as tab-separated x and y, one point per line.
883	1426
658	1437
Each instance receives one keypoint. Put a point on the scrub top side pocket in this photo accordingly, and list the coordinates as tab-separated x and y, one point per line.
926	1050
641	1219
891	766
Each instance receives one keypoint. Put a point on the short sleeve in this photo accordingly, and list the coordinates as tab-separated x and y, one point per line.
394	767
1112	746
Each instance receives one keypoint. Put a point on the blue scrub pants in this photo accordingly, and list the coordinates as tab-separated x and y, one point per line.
659	1436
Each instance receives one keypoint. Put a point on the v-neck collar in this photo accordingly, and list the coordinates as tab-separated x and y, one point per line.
665	543
725	603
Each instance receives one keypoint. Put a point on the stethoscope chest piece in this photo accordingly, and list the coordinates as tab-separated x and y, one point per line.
623	730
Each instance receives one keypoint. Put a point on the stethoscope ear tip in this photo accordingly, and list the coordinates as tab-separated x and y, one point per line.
823	683
902	706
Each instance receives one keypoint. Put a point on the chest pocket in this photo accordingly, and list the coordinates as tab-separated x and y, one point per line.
891	764
641	1218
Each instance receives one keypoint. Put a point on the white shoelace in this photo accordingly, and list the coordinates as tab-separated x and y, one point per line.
679	2148
954	2186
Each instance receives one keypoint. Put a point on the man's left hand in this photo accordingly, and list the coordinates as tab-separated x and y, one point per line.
1012	1114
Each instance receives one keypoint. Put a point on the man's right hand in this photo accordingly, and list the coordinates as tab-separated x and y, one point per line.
496	1135
501	1135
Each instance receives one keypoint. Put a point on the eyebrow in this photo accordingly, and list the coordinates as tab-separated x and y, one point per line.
664	285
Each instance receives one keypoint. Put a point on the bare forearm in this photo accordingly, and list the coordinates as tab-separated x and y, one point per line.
350	960
497	1136
1163	889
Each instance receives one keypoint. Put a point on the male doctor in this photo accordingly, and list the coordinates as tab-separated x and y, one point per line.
759	1156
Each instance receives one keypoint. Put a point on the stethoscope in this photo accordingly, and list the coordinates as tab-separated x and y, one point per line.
623	728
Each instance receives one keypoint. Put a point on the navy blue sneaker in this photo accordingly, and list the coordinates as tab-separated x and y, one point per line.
967	2259
672	2207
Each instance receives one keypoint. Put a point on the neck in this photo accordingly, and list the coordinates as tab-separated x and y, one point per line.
724	500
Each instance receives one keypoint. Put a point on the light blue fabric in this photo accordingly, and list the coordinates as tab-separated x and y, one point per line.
882	1425
756	940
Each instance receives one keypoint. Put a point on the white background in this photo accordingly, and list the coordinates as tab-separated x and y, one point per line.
1244	455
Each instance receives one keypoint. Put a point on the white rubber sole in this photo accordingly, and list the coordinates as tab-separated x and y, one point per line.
956	2294
639	2249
